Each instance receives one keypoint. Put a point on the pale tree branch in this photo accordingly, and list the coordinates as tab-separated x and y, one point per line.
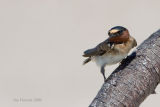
135	79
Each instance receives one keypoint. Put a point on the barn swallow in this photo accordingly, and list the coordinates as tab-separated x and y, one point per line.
113	50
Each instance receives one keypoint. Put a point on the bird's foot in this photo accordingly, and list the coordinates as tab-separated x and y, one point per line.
122	62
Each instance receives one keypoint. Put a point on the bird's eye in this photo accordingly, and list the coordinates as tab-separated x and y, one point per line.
120	32
116	34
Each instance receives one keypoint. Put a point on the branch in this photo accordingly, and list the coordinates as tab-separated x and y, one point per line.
135	79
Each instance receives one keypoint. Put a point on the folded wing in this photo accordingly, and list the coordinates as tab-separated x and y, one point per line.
99	50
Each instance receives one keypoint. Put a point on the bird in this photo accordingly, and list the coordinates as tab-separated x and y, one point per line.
113	50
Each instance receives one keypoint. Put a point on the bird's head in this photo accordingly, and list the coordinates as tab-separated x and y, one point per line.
118	34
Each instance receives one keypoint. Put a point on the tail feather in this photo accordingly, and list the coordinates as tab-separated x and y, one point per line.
87	60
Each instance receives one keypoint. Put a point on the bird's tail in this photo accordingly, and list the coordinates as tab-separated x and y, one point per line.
86	60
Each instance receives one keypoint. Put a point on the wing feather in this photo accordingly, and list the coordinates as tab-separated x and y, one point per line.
100	49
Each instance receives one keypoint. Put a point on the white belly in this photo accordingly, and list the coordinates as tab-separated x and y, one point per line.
108	59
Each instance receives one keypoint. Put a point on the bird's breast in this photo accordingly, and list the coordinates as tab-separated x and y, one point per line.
108	59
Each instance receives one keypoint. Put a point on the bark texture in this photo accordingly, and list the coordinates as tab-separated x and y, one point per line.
135	79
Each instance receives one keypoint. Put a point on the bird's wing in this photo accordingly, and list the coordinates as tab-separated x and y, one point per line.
99	50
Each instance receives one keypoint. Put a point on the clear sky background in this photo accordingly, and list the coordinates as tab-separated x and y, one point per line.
42	42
